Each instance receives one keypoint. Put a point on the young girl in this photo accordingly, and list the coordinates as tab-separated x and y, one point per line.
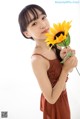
50	73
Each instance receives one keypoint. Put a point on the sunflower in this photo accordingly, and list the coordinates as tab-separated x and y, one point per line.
58	34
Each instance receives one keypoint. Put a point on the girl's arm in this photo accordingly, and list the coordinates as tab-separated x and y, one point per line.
40	71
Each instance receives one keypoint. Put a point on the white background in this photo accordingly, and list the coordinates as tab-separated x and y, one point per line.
19	90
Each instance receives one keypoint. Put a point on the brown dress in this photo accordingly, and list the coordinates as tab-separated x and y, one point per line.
59	110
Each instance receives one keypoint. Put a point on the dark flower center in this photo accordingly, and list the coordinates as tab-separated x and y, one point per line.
58	34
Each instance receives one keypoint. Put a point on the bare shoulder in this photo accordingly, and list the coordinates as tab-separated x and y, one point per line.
39	62
41	57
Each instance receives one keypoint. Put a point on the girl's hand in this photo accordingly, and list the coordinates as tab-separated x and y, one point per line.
64	51
70	63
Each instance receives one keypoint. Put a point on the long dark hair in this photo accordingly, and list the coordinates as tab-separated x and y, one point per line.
57	51
24	16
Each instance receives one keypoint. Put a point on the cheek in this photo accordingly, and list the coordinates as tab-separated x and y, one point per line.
35	33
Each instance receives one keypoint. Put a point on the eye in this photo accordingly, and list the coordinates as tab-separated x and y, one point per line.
43	17
34	23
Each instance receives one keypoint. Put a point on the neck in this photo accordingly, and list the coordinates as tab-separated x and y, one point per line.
42	44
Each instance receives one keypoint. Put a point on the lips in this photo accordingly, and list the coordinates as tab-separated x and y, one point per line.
46	30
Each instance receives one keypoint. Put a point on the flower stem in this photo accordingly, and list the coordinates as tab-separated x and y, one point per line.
77	71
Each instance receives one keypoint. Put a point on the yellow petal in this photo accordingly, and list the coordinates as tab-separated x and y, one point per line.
60	27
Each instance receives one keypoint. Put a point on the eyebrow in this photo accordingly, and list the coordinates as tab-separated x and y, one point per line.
37	18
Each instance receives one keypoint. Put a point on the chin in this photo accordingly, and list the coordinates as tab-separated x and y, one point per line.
43	38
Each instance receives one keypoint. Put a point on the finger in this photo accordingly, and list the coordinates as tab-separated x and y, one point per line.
73	51
69	50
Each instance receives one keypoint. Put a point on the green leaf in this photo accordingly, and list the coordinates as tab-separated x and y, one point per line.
61	44
67	40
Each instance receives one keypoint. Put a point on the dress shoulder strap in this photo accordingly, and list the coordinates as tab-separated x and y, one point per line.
41	56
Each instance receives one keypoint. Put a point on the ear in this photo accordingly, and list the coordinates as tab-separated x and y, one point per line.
27	34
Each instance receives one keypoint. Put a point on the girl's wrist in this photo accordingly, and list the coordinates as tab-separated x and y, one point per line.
64	70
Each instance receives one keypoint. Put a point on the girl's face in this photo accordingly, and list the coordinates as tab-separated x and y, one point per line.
37	28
